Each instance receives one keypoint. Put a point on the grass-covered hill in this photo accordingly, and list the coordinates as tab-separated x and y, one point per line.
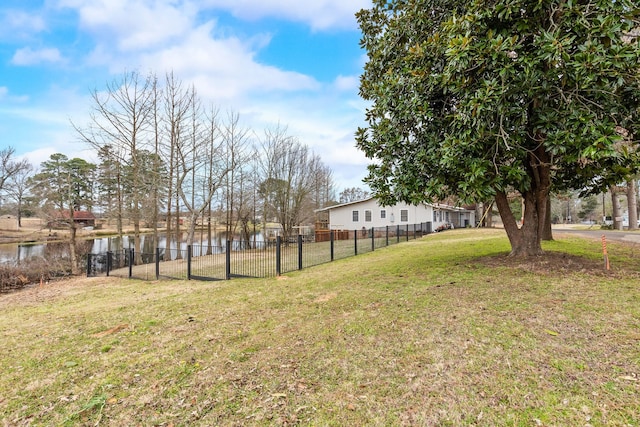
440	331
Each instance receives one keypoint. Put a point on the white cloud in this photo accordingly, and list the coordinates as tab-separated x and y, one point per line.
134	24
6	95
170	35
18	24
318	14
219	68
347	83
28	56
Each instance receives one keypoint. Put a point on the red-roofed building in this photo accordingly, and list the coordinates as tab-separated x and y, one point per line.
80	218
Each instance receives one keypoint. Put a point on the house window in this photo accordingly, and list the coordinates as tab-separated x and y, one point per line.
404	215
435	216
367	216
447	214
383	214
354	216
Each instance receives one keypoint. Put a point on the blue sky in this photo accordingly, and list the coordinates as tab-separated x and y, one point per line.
291	62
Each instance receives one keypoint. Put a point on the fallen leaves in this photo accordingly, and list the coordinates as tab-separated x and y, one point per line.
111	330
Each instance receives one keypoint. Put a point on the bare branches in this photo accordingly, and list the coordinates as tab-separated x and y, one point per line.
9	166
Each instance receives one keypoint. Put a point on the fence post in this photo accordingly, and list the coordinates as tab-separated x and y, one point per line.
131	255
331	243
407	227
397	233
373	239
299	251
109	261
278	264
227	261
157	263
188	262
88	265
355	242
387	235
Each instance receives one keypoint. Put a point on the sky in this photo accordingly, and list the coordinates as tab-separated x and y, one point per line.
289	62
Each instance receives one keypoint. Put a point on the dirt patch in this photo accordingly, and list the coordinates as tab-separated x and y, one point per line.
326	297
551	263
47	291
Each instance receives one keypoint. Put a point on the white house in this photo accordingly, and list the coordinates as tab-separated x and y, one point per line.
369	213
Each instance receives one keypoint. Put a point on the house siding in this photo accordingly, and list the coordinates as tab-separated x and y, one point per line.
341	217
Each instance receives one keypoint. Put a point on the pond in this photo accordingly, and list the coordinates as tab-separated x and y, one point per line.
16	253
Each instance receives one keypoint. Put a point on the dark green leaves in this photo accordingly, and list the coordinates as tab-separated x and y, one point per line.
463	92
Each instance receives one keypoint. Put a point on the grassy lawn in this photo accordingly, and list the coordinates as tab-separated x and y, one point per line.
437	331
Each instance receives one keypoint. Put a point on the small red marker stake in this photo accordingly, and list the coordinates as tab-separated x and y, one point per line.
604	252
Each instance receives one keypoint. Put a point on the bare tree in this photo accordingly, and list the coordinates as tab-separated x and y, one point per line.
353	194
18	188
324	193
236	185
177	103
158	172
287	171
9	166
121	118
199	177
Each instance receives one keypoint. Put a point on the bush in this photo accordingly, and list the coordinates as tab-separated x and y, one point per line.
14	277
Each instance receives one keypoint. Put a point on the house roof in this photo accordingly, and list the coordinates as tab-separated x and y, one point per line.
328	208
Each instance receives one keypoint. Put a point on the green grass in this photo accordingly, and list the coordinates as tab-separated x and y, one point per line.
438	331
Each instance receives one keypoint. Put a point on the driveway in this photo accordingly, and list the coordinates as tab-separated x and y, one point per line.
595	233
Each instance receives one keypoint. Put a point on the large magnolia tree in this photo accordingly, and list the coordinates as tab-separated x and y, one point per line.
479	99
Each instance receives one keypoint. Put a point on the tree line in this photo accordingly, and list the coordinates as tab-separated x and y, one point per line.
163	156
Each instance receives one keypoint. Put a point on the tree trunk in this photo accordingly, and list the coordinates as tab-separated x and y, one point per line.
20	213
632	202
617	216
525	240
546	232
488	219
72	246
209	235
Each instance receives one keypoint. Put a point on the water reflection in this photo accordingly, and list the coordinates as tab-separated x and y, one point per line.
173	248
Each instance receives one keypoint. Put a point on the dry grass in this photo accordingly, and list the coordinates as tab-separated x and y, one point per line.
439	331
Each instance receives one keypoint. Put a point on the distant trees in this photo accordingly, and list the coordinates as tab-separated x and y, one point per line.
353	194
10	166
163	154
588	208
64	186
13	178
289	173
17	189
121	120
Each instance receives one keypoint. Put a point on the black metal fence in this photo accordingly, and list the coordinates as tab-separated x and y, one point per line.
249	259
